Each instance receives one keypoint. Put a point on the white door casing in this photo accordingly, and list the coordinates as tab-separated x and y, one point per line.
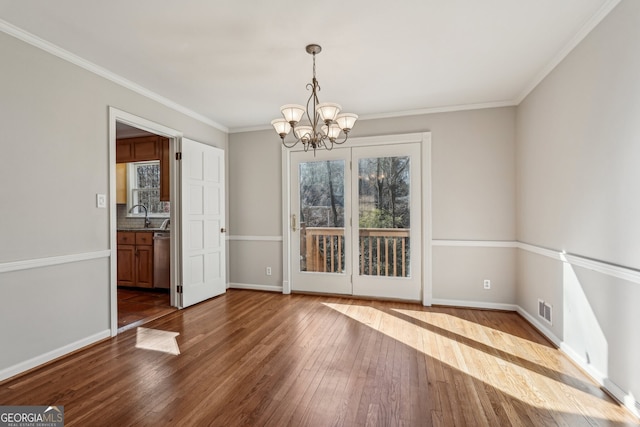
415	287
202	222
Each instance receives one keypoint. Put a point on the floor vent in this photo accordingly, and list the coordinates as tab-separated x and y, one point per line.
544	310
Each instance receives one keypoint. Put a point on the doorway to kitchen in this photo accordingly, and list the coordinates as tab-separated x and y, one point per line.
143	221
193	224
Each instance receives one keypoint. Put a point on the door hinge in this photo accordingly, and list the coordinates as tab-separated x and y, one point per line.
179	289
351	279
178	155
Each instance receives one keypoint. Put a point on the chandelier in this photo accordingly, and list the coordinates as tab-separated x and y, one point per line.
323	124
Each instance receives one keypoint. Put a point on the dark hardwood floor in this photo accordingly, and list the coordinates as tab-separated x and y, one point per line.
266	359
138	306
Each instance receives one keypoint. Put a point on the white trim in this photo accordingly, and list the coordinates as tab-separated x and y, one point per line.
427	225
626	399
416	112
103	72
598	376
423	138
255	287
50	261
444	109
586	28
285	158
255	238
474	304
117	115
475	243
621	272
549	253
602	267
51	355
367	141
539	326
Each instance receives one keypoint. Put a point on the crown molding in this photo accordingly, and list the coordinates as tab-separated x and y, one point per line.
406	113
586	28
55	50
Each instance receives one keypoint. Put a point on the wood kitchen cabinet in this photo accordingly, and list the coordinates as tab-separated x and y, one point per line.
165	187
143	149
135	258
140	149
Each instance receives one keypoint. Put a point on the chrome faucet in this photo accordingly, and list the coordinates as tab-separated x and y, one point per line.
147	221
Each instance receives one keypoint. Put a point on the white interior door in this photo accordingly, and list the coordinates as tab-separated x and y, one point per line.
202	222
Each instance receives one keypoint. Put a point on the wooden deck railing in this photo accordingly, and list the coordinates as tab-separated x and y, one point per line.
383	251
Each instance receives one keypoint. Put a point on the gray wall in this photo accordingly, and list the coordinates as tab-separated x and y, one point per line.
473	194
54	121
578	151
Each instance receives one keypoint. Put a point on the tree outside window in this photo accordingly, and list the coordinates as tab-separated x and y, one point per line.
143	179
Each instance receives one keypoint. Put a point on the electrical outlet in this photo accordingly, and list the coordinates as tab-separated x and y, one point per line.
268	271
487	284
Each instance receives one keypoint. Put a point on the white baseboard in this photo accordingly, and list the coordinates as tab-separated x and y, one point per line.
51	355
255	287
626	399
539	326
474	304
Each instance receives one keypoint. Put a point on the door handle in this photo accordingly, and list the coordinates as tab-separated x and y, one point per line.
223	230
293	222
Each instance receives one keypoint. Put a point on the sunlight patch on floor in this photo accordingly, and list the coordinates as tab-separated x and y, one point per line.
468	360
157	340
483	334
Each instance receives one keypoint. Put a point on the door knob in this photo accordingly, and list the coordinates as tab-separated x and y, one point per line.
223	230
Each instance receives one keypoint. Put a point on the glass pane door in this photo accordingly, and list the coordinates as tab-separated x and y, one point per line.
386	187
384	216
320	246
322	216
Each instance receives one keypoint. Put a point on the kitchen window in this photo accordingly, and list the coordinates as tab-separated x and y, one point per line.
143	181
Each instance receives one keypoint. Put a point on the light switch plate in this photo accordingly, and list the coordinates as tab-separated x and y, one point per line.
101	200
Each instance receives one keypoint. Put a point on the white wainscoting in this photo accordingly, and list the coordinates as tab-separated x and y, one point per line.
66	349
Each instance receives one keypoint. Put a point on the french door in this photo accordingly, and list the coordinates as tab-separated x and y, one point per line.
356	221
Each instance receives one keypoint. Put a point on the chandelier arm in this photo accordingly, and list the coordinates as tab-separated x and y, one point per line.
290	144
346	136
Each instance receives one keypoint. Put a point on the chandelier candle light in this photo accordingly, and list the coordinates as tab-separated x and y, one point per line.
324	121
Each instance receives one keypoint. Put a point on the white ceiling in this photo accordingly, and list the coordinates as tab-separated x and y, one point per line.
236	61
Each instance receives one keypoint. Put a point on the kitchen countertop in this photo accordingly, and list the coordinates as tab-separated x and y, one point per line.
145	229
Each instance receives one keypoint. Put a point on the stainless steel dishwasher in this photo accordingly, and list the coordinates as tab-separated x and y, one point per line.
161	260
